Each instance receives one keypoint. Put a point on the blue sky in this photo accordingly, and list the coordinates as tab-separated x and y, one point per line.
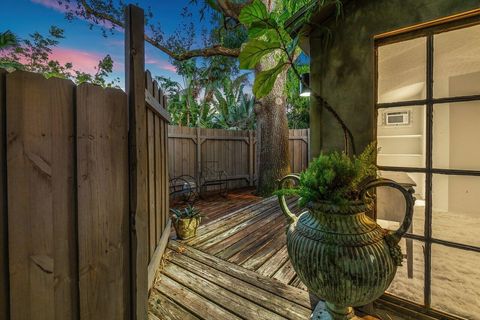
84	47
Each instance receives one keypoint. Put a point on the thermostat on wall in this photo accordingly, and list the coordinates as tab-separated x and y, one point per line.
397	118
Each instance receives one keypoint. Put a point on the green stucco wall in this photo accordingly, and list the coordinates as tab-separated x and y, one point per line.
343	71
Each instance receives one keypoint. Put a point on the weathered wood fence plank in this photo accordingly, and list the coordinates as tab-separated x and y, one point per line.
41	208
159	214
151	182
157	149
103	211
4	277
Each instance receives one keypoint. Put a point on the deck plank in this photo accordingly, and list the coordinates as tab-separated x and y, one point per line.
227	249
230	301
264	298
161	307
286	273
193	302
266	252
255	241
223	224
227	238
288	292
269	267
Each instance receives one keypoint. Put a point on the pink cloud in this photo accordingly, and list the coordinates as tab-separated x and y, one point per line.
161	64
82	60
53	4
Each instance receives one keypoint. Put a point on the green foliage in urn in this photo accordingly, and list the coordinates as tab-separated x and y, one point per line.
335	178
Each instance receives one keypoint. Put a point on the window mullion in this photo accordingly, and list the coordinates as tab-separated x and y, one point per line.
429	178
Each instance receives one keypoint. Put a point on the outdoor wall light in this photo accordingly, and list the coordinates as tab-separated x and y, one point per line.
305	90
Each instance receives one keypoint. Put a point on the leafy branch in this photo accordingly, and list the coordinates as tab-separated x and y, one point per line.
98	12
268	37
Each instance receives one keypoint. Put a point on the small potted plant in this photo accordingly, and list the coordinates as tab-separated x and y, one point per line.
186	221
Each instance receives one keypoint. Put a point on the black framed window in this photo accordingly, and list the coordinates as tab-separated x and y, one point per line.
428	132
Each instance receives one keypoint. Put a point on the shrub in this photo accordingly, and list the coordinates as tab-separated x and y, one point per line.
335	177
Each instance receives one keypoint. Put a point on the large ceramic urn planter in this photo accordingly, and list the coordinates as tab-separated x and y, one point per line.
343	256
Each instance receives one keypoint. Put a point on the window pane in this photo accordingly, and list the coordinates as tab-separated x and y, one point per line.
391	203
457	63
409	281
456	281
456	209
456	132
402	71
401	137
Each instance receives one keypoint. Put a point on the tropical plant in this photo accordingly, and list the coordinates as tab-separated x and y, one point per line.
335	178
238	115
199	103
186	104
186	221
234	108
189	212
7	40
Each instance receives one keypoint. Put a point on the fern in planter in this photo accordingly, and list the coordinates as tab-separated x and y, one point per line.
335	178
186	221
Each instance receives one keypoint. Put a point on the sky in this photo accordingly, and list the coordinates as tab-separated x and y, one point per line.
85	47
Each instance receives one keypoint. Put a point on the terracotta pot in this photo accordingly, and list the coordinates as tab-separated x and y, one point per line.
342	255
186	228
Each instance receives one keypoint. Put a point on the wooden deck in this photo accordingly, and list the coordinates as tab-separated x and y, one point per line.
195	285
237	266
248	231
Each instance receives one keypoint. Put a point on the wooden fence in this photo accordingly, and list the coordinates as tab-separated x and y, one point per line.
83	192
67	194
192	150
158	188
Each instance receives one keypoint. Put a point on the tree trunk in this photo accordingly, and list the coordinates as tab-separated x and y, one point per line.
272	133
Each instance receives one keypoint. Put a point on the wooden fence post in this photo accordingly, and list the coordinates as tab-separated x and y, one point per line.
135	88
251	159
309	147
199	157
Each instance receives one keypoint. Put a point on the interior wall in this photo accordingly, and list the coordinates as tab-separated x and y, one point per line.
464	191
343	71
398	151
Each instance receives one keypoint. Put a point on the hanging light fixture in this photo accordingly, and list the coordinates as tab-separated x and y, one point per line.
305	85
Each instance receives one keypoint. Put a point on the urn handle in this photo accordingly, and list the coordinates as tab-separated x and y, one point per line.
409	203
281	198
